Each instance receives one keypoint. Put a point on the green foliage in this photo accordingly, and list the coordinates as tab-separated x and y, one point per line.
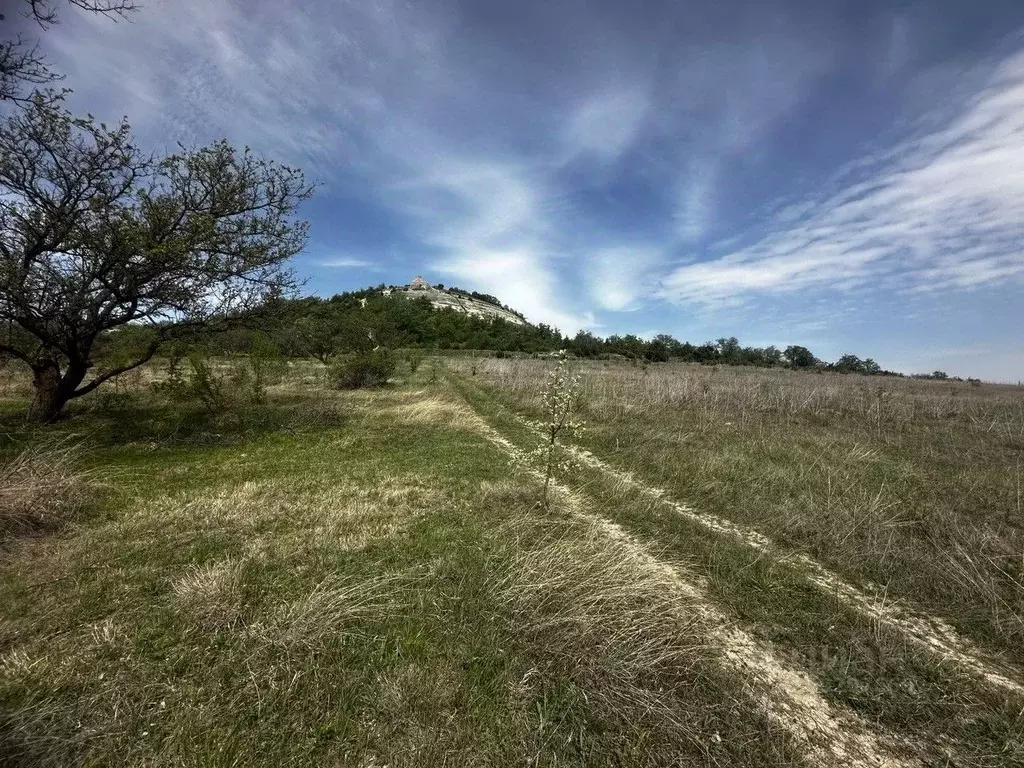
173	383
413	358
799	357
207	385
267	366
224	388
849	364
130	241
363	369
362	320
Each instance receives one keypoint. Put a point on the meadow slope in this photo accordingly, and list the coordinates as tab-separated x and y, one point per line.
732	574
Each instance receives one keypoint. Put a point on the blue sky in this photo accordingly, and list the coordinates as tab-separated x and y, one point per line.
844	175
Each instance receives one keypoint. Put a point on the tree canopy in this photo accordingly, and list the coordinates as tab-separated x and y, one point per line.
96	234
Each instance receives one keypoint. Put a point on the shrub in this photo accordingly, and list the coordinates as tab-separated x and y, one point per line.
268	366
562	399
209	386
363	369
414	358
42	488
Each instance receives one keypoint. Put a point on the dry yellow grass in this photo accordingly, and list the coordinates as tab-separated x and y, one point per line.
325	614
911	485
43	487
348	516
211	594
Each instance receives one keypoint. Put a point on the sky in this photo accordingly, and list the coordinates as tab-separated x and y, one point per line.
848	176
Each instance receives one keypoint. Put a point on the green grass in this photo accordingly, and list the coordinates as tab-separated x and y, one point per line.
741	474
363	578
923	496
342	579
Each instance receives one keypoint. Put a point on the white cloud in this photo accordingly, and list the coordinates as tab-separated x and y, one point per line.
346	261
259	73
618	277
948	214
607	124
732	93
490	219
467	203
499	183
364	90
697	199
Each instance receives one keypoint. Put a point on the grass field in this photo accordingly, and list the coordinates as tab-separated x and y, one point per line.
742	567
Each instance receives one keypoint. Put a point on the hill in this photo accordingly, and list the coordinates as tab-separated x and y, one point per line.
455	299
422	316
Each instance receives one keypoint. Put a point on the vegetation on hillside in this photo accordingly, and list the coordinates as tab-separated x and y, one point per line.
366	319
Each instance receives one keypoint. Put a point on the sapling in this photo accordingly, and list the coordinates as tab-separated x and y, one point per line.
561	399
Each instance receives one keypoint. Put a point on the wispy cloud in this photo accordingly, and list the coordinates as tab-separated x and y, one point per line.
619	278
947	213
346	261
489	224
523	280
608	123
696	201
262	73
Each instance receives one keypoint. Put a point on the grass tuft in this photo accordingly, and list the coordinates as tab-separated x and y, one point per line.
43	488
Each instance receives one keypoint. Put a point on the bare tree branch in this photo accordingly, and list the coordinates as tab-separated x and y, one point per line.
44	12
22	66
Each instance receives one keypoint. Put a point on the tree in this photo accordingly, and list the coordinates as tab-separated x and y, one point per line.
672	346
656	350
585	344
21	64
95	235
849	364
318	333
728	349
706	353
799	357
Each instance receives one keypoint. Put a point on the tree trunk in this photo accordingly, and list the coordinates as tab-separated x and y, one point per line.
53	391
47	404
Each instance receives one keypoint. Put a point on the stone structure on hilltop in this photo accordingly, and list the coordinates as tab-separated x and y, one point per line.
418	284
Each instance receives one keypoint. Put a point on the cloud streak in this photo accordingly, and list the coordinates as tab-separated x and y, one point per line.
946	214
342	262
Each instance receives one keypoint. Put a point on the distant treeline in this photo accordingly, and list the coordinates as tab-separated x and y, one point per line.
365	319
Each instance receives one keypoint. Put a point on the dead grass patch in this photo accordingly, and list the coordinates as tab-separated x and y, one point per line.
43	488
436	410
346	516
618	632
333	610
910	485
212	594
